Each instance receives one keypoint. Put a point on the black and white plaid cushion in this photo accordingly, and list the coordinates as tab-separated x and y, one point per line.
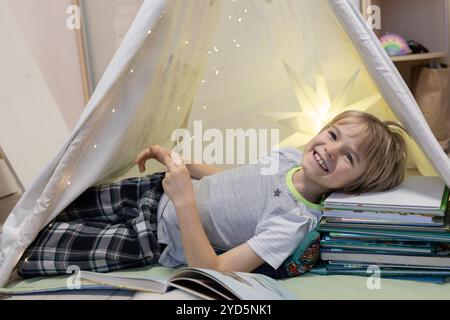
107	228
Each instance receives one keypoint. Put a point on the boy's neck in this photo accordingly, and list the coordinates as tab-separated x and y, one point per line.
309	190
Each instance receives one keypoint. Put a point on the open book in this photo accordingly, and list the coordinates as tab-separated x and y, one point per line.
204	283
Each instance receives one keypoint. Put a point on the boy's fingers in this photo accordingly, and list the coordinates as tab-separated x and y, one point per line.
138	159
169	163
142	158
185	161
176	158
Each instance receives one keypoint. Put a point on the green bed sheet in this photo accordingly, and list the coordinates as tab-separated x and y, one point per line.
305	287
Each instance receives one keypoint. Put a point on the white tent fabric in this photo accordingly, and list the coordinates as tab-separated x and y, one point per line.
213	60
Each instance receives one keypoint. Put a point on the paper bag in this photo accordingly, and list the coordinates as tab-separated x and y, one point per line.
431	89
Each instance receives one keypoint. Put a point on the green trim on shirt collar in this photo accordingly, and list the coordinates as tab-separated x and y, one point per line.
297	194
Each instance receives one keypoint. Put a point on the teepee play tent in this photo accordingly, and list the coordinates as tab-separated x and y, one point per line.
289	65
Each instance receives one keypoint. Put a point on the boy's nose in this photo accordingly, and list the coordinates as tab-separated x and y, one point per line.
330	152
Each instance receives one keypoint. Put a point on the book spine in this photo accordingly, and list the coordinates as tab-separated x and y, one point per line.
389	259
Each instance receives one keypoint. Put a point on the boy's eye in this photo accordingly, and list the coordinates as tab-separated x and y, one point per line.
349	157
332	135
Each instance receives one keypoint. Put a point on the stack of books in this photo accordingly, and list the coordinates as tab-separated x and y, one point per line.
404	233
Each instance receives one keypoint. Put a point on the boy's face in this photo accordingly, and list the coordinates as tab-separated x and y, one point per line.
332	159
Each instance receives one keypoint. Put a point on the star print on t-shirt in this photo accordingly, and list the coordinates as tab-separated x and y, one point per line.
277	193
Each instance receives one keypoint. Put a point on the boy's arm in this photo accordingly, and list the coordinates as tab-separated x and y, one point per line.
197	248
199	171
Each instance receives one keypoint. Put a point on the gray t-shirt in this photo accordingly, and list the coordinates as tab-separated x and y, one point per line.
243	205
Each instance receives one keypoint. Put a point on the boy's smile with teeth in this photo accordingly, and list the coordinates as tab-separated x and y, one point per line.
320	161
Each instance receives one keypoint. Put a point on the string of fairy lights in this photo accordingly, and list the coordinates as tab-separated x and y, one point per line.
235	19
221	53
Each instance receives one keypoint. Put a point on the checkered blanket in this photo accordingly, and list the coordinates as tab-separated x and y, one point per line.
107	228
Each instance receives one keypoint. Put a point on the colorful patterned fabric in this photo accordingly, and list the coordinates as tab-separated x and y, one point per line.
107	228
304	258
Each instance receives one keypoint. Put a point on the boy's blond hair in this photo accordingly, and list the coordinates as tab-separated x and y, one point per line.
384	149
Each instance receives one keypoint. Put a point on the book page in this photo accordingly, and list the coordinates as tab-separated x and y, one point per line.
206	288
246	286
174	294
199	289
131	283
414	192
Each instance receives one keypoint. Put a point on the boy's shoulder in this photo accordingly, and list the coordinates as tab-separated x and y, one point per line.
290	153
280	160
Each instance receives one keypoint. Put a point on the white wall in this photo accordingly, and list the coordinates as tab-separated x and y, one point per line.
55	50
31	125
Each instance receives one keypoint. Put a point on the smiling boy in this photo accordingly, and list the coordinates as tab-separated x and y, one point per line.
253	218
359	154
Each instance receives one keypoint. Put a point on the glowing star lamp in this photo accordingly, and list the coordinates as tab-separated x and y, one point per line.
317	108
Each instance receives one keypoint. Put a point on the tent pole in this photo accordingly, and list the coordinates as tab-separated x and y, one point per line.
86	84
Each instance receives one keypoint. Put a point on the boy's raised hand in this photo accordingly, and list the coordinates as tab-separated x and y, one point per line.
178	184
153	152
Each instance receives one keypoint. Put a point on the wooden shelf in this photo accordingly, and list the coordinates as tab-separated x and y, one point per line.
420	56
